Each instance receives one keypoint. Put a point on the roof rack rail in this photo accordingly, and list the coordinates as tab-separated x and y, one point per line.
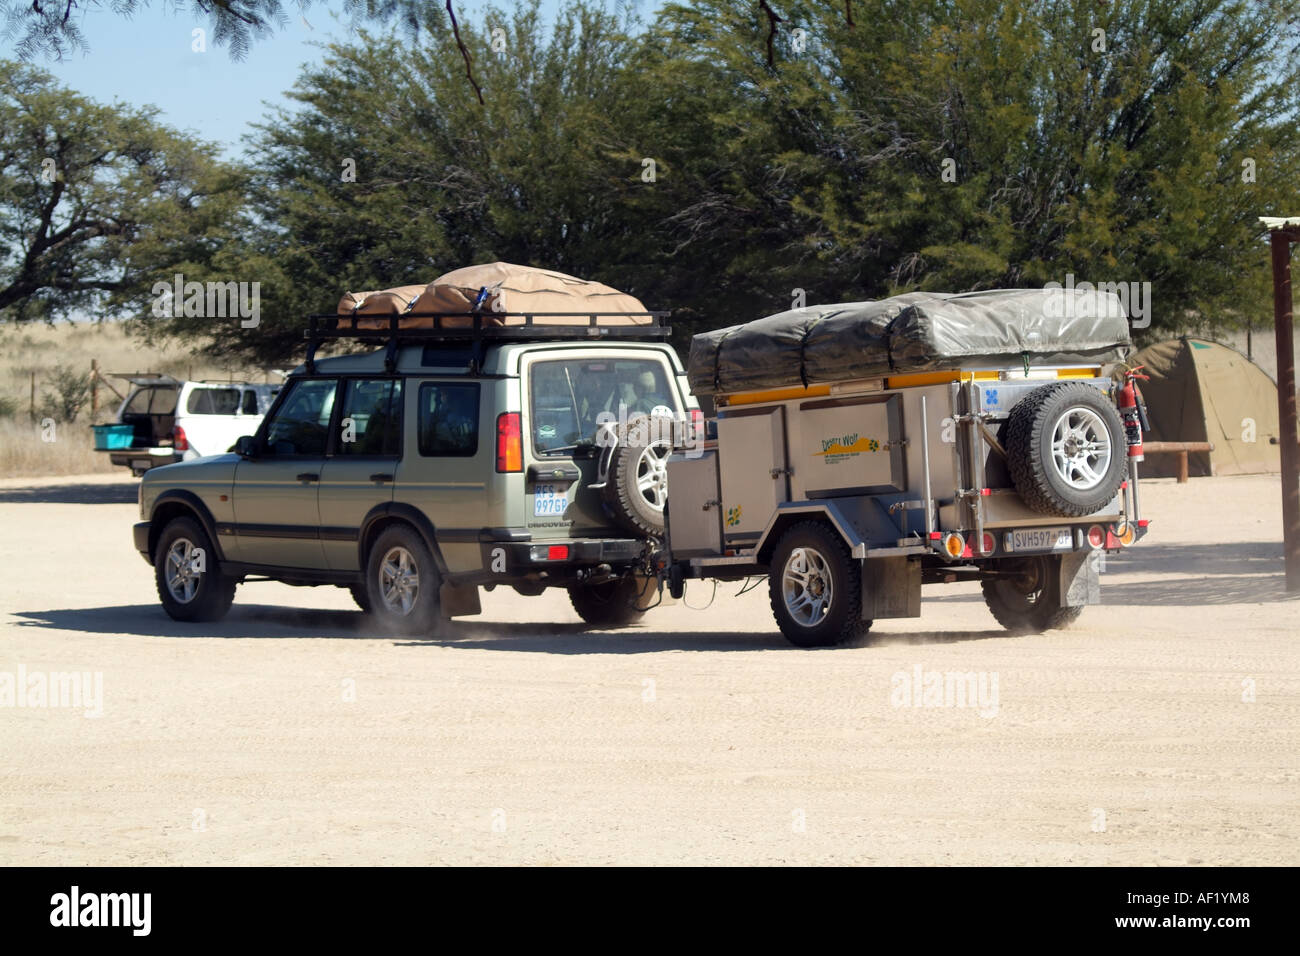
323	327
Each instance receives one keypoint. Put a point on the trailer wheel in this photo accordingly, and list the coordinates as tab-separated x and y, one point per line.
815	588
1066	450
1025	597
611	604
637	487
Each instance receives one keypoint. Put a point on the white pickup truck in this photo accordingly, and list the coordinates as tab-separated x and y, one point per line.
175	420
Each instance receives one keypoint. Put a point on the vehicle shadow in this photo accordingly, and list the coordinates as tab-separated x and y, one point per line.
265	622
120	493
251	621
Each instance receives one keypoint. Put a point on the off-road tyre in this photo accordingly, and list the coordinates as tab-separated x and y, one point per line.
636	488
610	604
213	592
1055	485
1028	603
402	583
826	568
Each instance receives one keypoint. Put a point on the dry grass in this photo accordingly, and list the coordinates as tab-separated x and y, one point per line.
40	348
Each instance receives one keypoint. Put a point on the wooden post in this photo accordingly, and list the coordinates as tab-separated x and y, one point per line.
94	389
33	408
1280	241
1182	467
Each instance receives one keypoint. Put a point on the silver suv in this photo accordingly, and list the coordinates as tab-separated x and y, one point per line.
526	456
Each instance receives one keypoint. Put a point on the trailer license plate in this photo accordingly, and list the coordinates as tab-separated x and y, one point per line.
550	500
144	463
1042	539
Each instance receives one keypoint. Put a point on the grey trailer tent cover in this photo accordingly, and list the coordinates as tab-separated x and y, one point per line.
916	332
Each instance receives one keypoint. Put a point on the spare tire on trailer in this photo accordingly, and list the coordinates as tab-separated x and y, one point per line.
1066	450
636	487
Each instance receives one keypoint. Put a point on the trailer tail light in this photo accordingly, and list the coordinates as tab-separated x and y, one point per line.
1096	536
179	441
510	443
697	426
1124	534
954	544
988	543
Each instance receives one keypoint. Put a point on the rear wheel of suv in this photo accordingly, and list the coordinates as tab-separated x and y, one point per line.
611	604
191	586
402	582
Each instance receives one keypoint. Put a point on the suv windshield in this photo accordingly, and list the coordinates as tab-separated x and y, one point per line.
569	398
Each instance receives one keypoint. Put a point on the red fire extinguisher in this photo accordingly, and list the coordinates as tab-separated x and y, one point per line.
1132	410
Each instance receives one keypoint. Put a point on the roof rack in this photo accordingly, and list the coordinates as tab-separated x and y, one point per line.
321	328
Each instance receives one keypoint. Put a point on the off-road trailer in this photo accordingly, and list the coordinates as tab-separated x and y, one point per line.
850	496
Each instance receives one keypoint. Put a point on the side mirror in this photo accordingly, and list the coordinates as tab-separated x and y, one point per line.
245	445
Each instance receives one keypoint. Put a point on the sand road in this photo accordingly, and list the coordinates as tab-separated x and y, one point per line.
1163	728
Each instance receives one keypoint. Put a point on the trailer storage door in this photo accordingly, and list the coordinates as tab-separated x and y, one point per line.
755	476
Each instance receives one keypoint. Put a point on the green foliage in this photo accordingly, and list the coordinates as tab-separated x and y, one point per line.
98	202
8	407
66	395
1114	156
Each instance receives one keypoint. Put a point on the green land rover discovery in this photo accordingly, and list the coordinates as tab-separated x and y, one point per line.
528	457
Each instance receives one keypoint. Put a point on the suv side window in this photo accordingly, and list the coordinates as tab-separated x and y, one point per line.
449	419
371	423
301	424
569	397
212	401
250	402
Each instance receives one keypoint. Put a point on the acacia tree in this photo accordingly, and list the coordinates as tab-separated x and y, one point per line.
97	203
390	171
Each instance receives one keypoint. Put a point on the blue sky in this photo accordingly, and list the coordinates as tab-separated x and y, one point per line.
148	60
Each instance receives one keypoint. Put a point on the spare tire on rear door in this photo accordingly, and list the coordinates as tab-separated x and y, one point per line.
1065	449
636	487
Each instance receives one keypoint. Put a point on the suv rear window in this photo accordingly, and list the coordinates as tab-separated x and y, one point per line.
155	400
449	419
212	401
569	398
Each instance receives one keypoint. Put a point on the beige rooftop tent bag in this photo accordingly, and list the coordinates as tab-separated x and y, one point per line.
511	293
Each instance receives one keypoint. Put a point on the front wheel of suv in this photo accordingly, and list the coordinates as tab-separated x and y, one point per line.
402	583
191	586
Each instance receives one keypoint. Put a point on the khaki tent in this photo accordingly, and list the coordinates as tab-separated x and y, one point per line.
1204	391
510	290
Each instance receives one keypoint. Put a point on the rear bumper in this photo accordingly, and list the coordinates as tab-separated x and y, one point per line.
142	459
561	555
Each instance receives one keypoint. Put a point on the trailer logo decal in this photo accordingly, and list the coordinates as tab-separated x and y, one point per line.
733	516
990	396
844	447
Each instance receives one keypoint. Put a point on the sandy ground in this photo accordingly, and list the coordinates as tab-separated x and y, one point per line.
287	734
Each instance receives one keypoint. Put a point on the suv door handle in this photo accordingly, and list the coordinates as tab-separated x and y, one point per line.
308	476
381	477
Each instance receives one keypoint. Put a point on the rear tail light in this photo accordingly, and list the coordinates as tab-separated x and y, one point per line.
954	544
988	543
510	443
1124	533
179	441
1096	536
